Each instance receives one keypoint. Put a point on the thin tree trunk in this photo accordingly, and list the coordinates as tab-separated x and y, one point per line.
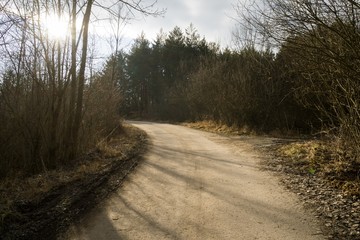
69	137
80	94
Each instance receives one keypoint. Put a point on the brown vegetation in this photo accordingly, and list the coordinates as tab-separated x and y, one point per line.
26	202
320	43
216	127
53	108
325	159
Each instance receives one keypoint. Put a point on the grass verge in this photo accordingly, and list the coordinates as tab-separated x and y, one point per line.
324	158
41	206
215	127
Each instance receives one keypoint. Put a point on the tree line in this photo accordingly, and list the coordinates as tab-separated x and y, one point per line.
182	77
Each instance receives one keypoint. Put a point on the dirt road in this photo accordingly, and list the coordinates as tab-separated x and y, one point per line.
197	185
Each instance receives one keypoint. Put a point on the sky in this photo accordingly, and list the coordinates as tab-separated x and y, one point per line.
212	18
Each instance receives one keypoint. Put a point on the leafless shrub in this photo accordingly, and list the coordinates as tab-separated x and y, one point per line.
49	114
323	38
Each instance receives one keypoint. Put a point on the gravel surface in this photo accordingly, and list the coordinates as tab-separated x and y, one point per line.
338	212
198	185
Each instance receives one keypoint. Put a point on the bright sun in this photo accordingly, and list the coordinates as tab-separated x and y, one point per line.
56	28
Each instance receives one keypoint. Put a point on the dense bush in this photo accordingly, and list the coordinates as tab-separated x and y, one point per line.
34	122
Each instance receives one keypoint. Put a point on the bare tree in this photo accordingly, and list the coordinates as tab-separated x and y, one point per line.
323	38
42	90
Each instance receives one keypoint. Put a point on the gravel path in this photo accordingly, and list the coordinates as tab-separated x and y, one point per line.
197	185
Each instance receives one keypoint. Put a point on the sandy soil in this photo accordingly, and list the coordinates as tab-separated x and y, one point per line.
198	185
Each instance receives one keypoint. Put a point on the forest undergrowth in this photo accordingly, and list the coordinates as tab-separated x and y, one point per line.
23	200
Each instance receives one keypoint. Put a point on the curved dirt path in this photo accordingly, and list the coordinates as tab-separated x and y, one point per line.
198	185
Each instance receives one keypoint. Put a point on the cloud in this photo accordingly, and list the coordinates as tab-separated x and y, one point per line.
210	18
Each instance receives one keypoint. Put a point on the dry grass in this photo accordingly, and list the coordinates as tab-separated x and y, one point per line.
311	153
218	127
212	126
325	158
18	188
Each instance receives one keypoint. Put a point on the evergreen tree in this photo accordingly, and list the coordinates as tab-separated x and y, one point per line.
139	73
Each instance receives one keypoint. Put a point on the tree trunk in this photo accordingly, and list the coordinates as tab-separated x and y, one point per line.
81	83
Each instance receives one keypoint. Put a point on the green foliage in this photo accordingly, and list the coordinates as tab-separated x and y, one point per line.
312	170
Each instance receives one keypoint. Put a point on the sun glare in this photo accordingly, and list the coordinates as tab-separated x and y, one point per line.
56	28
